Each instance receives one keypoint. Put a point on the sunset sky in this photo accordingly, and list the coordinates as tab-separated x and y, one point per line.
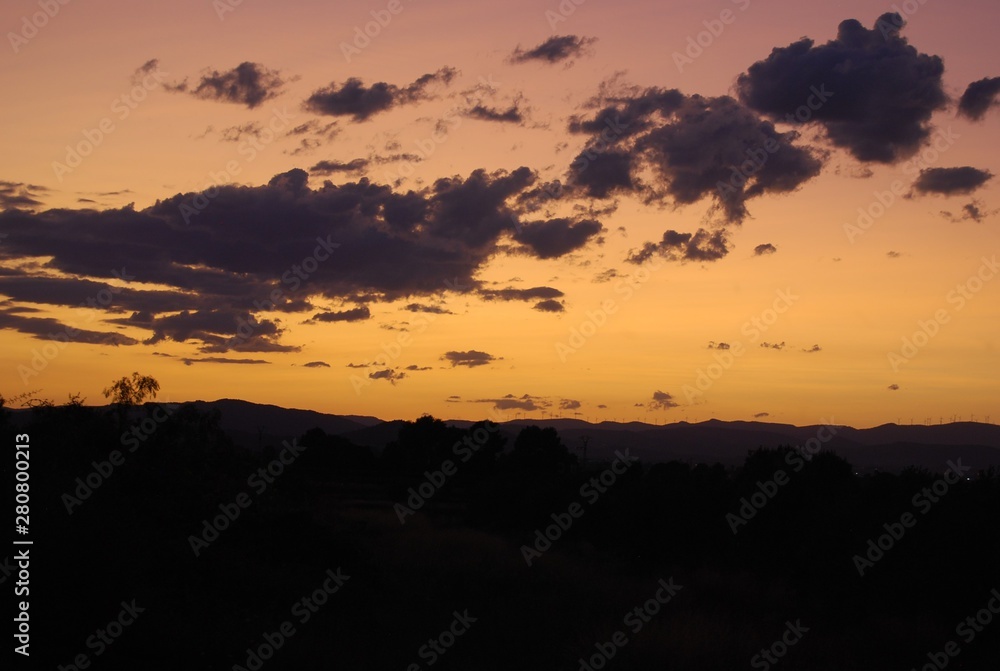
657	211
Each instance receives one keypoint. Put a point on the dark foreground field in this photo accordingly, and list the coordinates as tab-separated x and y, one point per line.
159	544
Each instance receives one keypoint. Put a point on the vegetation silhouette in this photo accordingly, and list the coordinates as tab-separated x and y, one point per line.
333	506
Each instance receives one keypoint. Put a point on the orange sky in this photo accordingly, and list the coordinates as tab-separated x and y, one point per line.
857	293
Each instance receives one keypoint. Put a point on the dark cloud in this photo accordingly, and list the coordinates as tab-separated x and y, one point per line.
47	328
20	195
761	415
771	345
662	401
951	181
354	99
979	97
219	359
237	255
316	364
814	348
766	248
471	359
511	402
357	314
700	246
391	375
893	387
511	294
147	68
666	147
332	166
247	84
871	91
970	212
431	309
415	367
721	345
893	254
554	50
569	404
212	327
512	114
550	306
557	237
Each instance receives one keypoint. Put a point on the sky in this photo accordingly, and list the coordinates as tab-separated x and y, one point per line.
736	209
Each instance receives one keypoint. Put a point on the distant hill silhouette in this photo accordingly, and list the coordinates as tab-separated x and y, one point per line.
884	447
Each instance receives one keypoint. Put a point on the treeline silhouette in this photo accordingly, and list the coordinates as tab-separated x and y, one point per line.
337	504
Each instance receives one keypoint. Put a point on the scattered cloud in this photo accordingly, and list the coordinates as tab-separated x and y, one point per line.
979	97
766	248
513	114
316	364
814	348
219	359
777	346
431	309
353	315
360	102
893	387
391	375
20	195
550	306
973	211
471	359
330	167
247	84
556	49
511	402
662	401
674	246
951	181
